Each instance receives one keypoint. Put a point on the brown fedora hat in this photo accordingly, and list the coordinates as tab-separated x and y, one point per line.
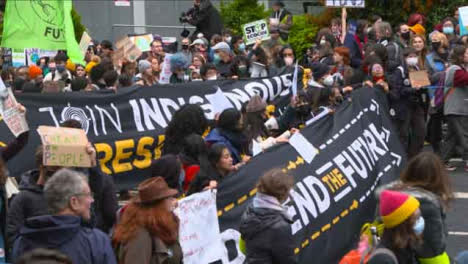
154	189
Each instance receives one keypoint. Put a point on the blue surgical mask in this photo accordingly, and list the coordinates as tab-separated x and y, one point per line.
419	226
216	58
60	68
448	30
242	47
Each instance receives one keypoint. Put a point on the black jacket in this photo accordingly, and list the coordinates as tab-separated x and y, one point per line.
206	18
268	237
27	203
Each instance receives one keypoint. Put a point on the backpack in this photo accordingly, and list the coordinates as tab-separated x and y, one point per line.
383	251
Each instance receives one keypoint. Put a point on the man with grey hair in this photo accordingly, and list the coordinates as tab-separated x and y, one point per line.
69	199
384	34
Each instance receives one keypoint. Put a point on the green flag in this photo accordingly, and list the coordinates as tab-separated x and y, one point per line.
44	24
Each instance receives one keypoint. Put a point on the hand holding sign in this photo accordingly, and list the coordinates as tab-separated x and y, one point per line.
66	147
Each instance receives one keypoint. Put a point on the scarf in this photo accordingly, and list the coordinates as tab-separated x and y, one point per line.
265	201
360	44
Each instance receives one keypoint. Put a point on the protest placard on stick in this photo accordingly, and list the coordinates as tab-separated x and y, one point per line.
64	147
255	30
13	118
346	3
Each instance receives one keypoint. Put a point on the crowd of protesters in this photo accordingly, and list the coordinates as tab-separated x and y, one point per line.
75	211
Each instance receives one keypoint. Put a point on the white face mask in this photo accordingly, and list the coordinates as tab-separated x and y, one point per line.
328	81
197	80
323	42
212	78
288	60
412	61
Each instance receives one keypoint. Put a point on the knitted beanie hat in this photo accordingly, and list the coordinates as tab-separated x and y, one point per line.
256	104
34	71
143	65
396	207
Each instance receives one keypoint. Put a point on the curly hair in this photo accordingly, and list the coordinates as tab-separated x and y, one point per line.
188	119
155	218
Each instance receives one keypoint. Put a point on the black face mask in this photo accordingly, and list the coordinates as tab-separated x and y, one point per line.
436	46
185	47
405	36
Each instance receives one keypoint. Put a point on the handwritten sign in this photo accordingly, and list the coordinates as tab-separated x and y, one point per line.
14	119
199	233
346	3
255	30
64	147
126	49
84	42
419	79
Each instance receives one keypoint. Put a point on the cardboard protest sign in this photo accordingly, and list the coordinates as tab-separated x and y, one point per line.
84	42
255	30
126	49
64	147
199	233
143	42
419	79
13	118
463	20
346	3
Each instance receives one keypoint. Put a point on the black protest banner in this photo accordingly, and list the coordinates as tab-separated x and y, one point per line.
333	195
127	128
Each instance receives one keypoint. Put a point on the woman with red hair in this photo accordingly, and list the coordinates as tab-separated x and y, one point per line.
342	69
416	23
148	231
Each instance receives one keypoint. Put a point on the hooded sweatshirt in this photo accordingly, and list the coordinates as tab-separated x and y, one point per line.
65	234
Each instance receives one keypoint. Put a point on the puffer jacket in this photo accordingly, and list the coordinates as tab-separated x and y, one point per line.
267	235
435	231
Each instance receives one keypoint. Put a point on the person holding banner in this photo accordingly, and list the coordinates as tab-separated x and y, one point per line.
218	167
149	230
403	229
266	225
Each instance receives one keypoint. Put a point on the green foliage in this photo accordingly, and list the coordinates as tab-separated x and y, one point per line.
79	28
238	12
441	11
302	34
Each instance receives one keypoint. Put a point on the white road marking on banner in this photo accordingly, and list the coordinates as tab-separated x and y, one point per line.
368	192
388	168
322	147
366	109
461	195
347	126
335	136
329	141
362	199
324	168
342	194
342	131
353	121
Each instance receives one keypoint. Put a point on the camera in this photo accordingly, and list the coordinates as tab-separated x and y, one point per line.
183	18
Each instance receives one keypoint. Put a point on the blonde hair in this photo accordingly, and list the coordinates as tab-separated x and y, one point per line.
442	38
